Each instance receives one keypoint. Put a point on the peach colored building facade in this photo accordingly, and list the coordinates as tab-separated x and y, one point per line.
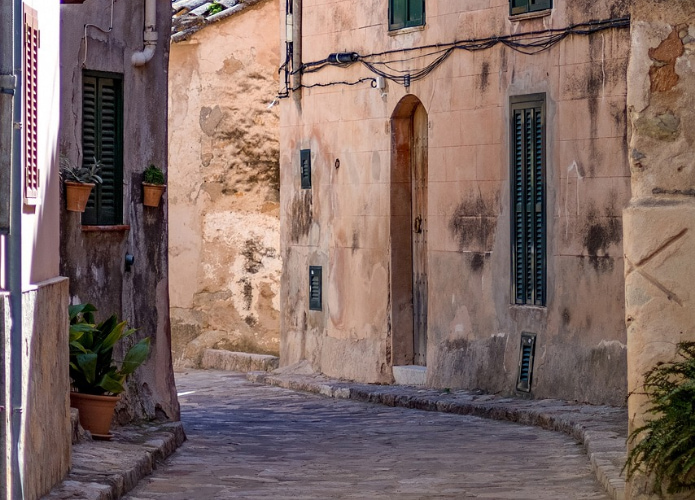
464	216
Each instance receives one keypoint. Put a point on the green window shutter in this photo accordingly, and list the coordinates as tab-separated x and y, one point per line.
416	13
539	208
398	12
102	138
518	6
528	198
518	241
536	5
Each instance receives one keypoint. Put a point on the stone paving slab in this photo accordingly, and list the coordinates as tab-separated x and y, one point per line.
257	442
601	429
218	359
106	470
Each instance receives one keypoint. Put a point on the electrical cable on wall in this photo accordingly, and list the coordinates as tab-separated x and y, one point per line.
384	64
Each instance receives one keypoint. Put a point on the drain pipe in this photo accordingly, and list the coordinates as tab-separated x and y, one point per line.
14	264
297	50
149	36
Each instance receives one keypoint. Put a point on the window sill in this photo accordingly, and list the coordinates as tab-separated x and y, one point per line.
405	31
106	229
530	15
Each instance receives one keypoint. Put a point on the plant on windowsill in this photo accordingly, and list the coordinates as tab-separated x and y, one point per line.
97	380
664	447
153	186
79	182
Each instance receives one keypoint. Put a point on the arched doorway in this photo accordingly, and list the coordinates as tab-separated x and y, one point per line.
409	136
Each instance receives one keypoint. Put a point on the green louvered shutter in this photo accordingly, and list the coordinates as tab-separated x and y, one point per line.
528	196
102	138
416	13
398	13
518	6
536	5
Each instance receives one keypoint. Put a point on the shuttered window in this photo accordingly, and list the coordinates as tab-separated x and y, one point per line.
523	6
32	40
305	168
102	139
406	13
528	200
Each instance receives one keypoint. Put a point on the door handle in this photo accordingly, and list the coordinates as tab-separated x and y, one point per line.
417	226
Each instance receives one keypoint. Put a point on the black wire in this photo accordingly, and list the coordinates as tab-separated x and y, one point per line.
530	43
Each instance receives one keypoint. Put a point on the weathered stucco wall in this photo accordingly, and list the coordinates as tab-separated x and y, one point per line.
45	385
660	221
95	260
343	222
224	187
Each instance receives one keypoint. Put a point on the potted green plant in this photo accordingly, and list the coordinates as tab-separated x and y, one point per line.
97	380
79	182
153	186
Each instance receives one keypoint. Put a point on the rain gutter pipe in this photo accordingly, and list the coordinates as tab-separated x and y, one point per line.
297	49
149	36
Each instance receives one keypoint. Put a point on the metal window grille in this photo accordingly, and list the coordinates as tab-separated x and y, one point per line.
32	41
526	354
315	288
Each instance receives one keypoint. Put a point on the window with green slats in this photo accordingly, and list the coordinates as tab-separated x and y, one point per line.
406	13
523	6
528	200
102	138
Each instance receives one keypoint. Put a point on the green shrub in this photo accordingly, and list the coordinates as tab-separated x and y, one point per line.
665	444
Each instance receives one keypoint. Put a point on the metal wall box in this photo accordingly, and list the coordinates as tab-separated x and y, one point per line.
305	168
315	288
526	354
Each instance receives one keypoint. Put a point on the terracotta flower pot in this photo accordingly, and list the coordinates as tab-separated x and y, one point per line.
96	412
76	195
152	194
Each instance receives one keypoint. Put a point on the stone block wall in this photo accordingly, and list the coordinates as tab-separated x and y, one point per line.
224	187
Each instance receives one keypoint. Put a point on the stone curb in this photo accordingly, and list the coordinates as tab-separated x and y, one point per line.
217	359
107	470
601	429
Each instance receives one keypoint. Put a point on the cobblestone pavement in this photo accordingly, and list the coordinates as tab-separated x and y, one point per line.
249	442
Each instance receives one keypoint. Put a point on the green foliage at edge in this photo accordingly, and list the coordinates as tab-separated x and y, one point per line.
664	447
154	175
215	8
92	368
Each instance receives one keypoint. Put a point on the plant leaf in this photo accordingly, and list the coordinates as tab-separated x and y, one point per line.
113	383
135	357
87	364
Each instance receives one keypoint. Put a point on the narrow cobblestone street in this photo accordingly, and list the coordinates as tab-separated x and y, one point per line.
252	441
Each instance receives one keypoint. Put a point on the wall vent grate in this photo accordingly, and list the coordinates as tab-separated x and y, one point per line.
305	168
315	288
526	355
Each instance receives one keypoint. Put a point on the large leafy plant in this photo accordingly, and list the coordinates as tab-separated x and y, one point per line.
92	367
665	445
